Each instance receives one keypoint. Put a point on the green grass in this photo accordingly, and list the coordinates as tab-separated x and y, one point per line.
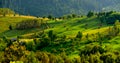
6	21
72	26
68	27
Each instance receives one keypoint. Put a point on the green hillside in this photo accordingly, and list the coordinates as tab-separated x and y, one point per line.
59	31
5	22
69	39
67	26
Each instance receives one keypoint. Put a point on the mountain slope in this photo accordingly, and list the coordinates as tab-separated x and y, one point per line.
59	7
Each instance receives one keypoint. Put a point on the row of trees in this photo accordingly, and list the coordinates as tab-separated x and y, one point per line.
27	24
105	17
69	16
30	23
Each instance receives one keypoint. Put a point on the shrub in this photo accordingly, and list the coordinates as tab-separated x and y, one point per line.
52	35
30	46
6	11
90	14
44	42
10	27
3	45
50	17
14	53
92	50
107	58
79	35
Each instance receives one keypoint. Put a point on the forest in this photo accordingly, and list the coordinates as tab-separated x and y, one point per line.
60	7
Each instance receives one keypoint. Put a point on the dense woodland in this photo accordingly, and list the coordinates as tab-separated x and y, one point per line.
59	7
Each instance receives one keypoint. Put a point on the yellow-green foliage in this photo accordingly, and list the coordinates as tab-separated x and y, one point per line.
6	11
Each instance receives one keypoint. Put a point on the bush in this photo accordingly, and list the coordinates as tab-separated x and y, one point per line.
10	27
92	49
50	17
30	46
90	14
3	45
44	42
14	53
52	35
79	35
107	58
6	11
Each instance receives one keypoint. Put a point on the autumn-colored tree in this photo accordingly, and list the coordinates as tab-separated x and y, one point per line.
14	53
